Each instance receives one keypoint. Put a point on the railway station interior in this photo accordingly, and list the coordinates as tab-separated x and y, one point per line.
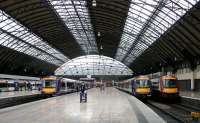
99	61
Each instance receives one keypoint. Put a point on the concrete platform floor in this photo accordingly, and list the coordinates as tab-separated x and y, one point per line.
17	93
109	106
190	94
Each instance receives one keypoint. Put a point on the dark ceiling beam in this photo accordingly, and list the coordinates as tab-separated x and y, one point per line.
108	16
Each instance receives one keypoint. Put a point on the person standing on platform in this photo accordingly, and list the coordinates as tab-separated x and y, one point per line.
82	88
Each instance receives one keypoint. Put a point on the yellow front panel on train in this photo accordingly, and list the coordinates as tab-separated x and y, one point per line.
170	90
143	90
49	90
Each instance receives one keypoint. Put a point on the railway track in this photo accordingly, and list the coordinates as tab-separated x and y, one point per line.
19	100
8	102
178	111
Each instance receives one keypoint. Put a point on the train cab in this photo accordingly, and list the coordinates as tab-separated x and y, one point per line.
49	85
165	87
141	86
169	86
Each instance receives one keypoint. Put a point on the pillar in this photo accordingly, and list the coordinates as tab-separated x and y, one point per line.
192	82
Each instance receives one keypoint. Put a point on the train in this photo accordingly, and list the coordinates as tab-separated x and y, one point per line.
165	87
52	86
139	86
149	86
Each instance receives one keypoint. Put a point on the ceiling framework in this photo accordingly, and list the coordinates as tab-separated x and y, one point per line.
143	34
147	20
41	19
108	18
17	37
178	44
74	14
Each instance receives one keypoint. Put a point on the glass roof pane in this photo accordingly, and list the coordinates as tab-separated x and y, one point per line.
151	26
21	40
75	15
93	65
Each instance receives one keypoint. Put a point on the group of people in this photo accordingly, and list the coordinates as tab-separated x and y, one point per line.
27	86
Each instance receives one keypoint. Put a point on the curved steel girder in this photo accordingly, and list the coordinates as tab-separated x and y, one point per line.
185	40
172	49
44	26
100	18
109	29
110	14
104	26
28	12
170	44
12	56
161	50
39	10
43	22
120	6
189	34
35	17
184	45
16	3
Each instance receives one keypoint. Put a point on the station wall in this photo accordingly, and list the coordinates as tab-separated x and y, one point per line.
188	79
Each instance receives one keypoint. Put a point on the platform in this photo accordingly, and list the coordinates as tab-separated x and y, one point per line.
109	106
17	93
190	94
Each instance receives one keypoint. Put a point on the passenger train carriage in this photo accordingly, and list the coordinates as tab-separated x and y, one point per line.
138	86
55	86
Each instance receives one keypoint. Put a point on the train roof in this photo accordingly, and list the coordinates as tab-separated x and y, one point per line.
143	77
169	77
49	78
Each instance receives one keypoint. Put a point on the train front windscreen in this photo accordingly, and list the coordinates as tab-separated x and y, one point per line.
50	84
170	83
143	83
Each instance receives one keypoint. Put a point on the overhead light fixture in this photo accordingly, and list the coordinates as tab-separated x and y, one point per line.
175	58
94	3
98	34
101	47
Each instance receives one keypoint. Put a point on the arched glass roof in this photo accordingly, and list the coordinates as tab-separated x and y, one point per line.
75	15
147	20
93	65
19	38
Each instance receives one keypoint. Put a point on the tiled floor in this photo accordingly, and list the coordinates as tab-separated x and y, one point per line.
109	106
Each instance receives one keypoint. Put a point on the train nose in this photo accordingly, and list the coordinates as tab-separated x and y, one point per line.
170	90
143	90
48	90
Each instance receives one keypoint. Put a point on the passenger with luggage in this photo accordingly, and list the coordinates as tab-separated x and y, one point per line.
83	93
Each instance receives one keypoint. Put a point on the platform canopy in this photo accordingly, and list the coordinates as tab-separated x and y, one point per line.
93	65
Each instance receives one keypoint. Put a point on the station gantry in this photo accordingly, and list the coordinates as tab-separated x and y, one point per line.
99	61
